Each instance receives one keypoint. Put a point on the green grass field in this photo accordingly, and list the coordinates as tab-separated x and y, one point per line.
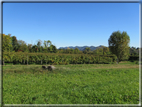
72	84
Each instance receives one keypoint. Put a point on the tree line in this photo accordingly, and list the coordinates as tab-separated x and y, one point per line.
118	45
11	44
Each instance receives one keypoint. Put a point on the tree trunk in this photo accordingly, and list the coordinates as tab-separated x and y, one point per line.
27	60
3	62
117	61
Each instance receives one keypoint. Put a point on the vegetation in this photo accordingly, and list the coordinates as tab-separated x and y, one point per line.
119	45
134	51
72	84
55	59
11	44
80	77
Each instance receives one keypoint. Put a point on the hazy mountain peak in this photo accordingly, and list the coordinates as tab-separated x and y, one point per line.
81	48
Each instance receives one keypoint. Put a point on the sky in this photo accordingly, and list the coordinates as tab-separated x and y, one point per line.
71	24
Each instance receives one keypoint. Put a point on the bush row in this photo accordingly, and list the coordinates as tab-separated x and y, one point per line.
55	59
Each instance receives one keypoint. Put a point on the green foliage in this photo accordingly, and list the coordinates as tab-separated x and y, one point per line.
14	43
52	49
57	58
47	44
35	48
76	50
70	51
99	51
7	43
22	46
30	48
134	51
105	50
119	45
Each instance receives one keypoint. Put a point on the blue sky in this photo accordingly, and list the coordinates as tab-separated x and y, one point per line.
71	24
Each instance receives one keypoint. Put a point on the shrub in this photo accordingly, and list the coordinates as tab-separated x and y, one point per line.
61	59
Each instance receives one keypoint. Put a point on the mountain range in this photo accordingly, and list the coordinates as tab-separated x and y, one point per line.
82	48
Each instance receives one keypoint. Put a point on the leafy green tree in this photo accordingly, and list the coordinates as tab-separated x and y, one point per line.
105	50
49	43
39	45
98	51
41	48
76	50
87	49
7	43
134	51
49	49
45	44
22	45
35	48
14	43
119	45
53	49
72	51
30	47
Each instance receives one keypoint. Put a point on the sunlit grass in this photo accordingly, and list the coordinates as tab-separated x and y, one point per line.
72	84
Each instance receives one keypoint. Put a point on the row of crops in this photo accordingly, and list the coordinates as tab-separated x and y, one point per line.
55	59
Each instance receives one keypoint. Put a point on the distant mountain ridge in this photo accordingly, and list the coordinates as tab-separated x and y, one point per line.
81	48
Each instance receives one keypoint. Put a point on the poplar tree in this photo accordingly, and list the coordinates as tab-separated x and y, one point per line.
119	45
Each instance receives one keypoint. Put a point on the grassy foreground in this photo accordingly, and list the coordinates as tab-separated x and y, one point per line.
72	84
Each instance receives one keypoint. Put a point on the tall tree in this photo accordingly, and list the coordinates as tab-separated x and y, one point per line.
119	45
49	43
34	48
14	43
39	45
53	49
30	47
76	50
45	44
105	50
7	43
22	46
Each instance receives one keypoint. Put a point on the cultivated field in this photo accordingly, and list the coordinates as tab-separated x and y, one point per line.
72	84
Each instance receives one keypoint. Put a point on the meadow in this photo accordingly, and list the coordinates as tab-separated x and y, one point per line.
72	84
